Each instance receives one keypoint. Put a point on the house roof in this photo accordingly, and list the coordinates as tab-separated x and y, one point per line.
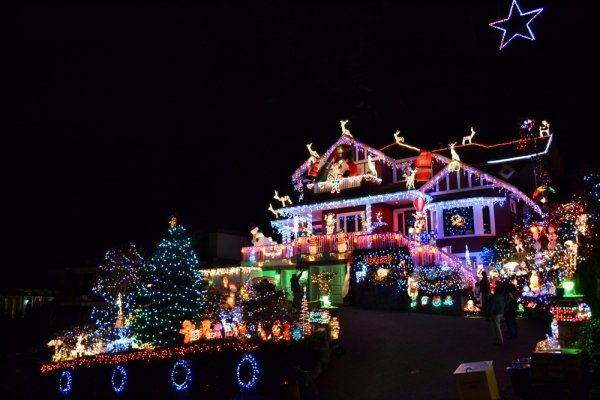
343	140
478	154
485	177
481	160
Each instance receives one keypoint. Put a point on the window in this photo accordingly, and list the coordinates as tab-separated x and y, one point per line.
400	222
409	221
513	206
458	221
351	222
485	215
506	171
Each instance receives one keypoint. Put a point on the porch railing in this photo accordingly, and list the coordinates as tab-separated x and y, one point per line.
422	254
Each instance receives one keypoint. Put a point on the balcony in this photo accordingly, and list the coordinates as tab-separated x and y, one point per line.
290	254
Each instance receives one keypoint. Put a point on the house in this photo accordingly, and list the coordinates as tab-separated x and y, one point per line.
440	206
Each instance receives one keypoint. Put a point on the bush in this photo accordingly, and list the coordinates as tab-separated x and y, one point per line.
589	342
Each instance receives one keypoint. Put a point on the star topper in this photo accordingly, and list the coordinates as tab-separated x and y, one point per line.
513	25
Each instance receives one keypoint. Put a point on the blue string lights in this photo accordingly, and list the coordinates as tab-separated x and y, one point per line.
247	383
118	379
181	375
512	26
65	382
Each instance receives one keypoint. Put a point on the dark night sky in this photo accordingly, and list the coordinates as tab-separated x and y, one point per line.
116	117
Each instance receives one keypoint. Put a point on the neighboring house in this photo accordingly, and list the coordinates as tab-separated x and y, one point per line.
219	247
434	203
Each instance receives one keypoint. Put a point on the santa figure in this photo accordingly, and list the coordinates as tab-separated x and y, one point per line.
342	241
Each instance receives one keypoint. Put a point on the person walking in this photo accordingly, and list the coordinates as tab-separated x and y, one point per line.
484	290
496	312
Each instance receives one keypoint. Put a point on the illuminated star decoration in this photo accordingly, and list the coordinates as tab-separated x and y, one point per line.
514	24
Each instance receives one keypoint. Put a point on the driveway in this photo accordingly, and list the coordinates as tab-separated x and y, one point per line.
404	355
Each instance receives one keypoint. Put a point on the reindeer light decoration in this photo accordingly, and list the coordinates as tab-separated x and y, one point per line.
545	128
399	139
276	212
400	142
468	138
345	131
410	178
454	165
312	153
371	166
283	199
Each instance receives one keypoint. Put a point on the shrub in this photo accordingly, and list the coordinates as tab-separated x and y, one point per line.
589	342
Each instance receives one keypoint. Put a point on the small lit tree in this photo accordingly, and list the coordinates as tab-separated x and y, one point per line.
118	278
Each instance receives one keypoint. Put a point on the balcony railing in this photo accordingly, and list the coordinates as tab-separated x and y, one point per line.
422	254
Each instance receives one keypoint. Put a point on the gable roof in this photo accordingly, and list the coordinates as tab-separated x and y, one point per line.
482	176
343	140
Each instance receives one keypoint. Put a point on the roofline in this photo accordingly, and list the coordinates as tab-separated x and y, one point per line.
491	146
357	201
495	181
523	157
342	140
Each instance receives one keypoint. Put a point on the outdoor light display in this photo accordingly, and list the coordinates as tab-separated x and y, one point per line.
118	278
471	309
118	379
163	353
448	301
172	289
323	280
77	342
439	279
65	382
318	163
181	375
319	317
384	267
575	313
247	362
458	221
483	178
508	27
304	316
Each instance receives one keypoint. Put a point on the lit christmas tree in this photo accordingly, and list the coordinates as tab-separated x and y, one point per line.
304	316
172	290
119	276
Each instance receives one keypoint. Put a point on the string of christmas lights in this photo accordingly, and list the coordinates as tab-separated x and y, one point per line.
248	383
152	355
439	279
484	178
119	275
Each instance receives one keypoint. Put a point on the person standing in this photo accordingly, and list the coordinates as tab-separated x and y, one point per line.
484	289
510	310
296	289
495	312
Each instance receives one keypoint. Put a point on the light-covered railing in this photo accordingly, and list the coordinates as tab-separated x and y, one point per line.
345	183
422	254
